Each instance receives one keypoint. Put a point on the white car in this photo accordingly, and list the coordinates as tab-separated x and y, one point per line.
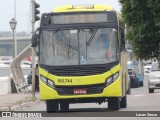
147	67
154	78
26	64
5	63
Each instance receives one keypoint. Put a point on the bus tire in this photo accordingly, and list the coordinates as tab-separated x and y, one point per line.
114	103
51	105
64	106
123	102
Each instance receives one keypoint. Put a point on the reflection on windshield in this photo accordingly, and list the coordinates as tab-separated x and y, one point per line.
74	47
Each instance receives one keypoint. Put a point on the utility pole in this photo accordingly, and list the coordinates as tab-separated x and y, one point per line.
33	53
35	18
15	36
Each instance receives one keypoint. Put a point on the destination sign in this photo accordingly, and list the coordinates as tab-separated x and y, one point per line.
82	18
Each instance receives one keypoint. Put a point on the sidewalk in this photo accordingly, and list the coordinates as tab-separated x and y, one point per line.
13	101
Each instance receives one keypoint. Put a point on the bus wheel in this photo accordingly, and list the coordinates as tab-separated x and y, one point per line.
114	103
51	105
123	103
64	106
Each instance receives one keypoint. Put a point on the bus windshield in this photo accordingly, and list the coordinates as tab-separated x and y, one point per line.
78	46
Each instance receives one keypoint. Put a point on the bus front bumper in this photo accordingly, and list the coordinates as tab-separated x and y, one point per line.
113	90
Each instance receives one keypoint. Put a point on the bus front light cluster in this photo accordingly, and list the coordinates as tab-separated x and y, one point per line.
51	83
111	79
48	82
43	79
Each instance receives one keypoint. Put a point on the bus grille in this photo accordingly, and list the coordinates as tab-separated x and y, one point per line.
79	70
90	89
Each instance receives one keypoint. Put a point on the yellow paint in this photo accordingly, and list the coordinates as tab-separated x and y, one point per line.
112	90
80	80
96	7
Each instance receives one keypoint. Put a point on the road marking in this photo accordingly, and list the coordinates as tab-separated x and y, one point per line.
145	94
138	95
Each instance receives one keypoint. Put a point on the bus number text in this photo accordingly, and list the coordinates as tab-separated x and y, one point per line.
65	80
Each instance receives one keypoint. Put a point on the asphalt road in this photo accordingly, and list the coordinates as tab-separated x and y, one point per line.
140	101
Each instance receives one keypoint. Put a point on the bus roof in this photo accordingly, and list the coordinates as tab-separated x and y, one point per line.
78	8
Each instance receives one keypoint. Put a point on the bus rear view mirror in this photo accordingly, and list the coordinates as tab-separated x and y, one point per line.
35	38
122	44
122	33
122	41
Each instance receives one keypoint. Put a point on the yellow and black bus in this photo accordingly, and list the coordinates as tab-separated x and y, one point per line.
82	57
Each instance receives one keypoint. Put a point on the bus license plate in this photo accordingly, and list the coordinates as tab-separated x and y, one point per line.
80	91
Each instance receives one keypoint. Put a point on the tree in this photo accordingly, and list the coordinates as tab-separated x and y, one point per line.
143	21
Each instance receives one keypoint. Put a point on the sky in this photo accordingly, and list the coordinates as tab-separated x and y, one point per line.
23	10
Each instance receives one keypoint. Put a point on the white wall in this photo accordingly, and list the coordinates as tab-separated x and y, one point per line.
5	85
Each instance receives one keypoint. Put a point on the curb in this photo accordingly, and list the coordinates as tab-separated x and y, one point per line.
4	108
18	107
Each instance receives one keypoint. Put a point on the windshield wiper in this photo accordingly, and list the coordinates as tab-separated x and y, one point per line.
64	36
68	41
53	43
91	38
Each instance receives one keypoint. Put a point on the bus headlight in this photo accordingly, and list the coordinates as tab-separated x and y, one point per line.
115	76
48	82
43	79
51	83
111	79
